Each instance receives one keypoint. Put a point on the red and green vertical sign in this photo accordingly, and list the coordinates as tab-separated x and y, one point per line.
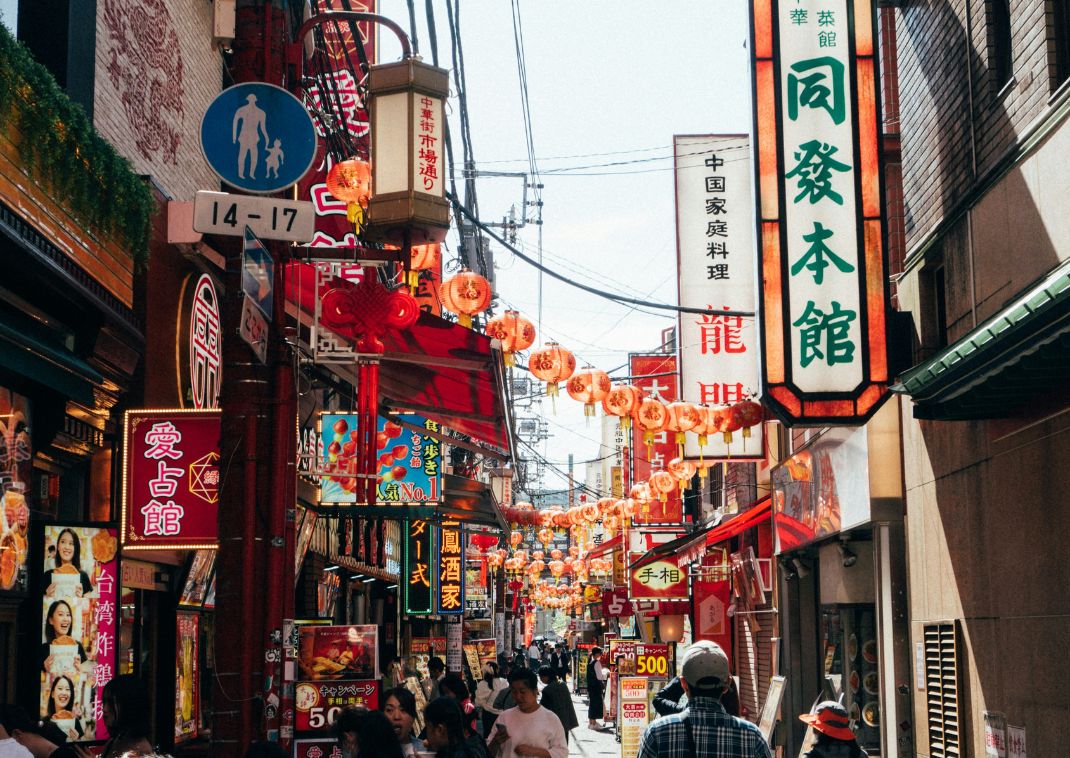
820	226
449	599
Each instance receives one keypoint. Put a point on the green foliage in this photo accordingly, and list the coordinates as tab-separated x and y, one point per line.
59	143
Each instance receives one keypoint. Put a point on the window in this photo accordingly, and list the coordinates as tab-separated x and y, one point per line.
933	284
942	690
1000	60
1060	19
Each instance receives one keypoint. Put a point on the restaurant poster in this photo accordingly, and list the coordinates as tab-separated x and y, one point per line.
338	652
421	649
634	714
317	704
16	455
79	637
187	675
195	590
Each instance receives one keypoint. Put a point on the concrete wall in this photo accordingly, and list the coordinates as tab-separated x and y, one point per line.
156	72
988	503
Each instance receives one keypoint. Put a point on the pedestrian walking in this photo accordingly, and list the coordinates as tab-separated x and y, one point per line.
704	729
486	692
125	704
366	734
445	731
670	698
528	730
399	707
533	656
834	736
453	686
556	698
596	686
437	669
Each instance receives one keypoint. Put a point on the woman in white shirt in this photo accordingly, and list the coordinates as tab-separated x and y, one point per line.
486	691
529	730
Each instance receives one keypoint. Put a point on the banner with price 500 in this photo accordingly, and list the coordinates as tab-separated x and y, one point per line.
641	659
319	703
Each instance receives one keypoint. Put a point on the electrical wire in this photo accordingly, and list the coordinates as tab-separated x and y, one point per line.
579	285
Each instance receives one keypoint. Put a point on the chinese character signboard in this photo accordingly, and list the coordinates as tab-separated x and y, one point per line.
16	456
79	635
317	705
659	580
187	676
823	296
335	63
450	567
419	574
655	375
170	479
410	463
715	257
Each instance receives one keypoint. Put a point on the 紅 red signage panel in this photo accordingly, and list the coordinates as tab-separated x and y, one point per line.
656	376
170	479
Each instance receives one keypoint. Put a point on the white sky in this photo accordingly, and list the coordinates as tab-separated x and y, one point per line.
603	77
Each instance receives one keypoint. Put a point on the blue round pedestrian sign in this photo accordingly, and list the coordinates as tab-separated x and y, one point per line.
258	137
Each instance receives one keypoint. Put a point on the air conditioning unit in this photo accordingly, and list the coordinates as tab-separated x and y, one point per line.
223	21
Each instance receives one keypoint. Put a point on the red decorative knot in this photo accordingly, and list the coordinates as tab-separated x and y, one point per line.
368	311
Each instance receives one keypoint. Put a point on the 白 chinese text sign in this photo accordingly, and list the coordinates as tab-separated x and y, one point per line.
718	354
823	297
170	479
450	595
655	375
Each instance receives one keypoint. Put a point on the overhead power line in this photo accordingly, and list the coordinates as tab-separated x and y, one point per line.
579	285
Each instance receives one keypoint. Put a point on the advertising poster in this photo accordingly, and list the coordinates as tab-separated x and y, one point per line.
338	652
79	627
422	649
318	704
634	714
410	464
655	375
641	659
195	590
170	479
187	675
16	469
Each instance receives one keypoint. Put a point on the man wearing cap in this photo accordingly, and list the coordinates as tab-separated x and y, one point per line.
834	736
704	730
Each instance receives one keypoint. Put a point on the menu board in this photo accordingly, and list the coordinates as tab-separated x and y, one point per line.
79	612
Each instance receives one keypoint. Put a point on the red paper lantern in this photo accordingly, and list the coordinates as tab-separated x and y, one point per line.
748	414
514	331
466	294
662	482
622	400
351	182
552	364
588	386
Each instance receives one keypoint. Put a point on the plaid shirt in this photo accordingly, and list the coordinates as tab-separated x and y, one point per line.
716	735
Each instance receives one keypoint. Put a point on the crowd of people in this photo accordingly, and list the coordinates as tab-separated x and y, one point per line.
504	715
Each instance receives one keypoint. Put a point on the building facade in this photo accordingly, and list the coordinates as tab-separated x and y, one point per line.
984	103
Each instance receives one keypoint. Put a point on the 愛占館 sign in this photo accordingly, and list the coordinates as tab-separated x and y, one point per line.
820	226
170	479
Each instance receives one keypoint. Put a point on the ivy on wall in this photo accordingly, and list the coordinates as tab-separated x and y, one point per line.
59	143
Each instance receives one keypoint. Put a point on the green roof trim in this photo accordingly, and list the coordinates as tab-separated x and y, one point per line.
1018	351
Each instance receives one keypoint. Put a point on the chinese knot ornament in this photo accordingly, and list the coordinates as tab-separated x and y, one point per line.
351	182
514	331
466	294
588	386
622	400
552	364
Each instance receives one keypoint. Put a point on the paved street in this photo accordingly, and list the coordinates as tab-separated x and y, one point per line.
586	743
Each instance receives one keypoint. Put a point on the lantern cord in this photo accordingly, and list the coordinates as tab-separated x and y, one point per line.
586	287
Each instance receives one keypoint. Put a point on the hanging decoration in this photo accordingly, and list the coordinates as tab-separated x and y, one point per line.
351	182
514	331
421	257
683	470
466	294
622	401
589	386
682	417
651	417
748	414
552	364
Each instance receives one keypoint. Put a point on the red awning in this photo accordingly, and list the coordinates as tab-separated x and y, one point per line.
436	368
687	548
605	547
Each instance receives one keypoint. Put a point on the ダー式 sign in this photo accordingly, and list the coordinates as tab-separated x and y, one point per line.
170	479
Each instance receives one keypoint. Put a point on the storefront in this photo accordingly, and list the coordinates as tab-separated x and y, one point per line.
837	505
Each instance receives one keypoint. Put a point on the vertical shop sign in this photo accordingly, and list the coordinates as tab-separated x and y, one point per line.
656	376
419	576
201	369
823	296
16	470
449	598
335	64
187	676
79	641
170	479
634	714
409	463
715	270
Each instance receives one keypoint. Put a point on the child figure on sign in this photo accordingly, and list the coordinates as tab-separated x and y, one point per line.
275	158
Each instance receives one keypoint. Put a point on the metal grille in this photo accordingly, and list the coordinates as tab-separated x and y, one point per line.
942	689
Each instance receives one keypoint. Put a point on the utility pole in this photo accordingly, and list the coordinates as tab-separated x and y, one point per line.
254	585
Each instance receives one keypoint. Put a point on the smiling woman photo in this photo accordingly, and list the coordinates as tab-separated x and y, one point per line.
67	561
61	709
59	622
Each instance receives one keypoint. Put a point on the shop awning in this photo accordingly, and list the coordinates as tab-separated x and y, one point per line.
605	547
1021	352
470	502
686	548
48	365
436	368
